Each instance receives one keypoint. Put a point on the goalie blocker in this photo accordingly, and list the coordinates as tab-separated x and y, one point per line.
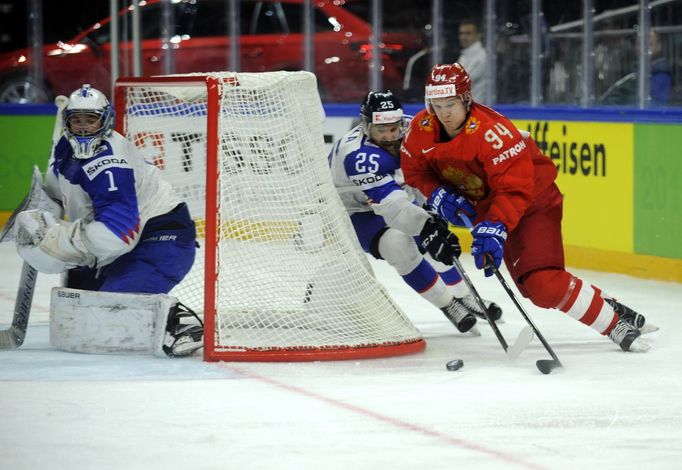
118	323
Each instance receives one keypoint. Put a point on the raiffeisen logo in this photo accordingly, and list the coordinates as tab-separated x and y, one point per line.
571	155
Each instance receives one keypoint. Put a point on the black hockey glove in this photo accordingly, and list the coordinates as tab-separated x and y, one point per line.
439	241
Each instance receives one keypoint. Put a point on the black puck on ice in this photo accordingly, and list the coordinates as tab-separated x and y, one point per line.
455	364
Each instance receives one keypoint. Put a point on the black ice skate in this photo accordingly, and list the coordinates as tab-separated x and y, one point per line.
459	315
627	337
632	317
471	305
184	332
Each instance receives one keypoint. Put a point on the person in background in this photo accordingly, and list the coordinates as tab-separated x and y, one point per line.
458	148
661	71
513	83
624	91
473	57
390	225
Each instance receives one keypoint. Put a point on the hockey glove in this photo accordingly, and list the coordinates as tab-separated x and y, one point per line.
488	245
447	204
31	226
439	241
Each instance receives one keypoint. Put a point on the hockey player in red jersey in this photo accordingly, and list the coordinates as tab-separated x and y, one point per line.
457	148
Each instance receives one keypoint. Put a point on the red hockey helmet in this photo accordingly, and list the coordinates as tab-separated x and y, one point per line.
446	80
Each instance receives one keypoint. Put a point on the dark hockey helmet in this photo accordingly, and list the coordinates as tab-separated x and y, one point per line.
447	80
382	107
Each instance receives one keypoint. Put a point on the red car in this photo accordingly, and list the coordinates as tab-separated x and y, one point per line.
271	39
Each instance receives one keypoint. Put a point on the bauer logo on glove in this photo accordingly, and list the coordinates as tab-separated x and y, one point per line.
449	205
488	245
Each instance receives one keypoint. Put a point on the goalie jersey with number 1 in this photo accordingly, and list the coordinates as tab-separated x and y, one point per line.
125	229
125	240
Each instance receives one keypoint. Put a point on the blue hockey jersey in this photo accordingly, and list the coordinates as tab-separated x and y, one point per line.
107	200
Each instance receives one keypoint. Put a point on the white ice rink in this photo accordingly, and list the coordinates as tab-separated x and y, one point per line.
606	410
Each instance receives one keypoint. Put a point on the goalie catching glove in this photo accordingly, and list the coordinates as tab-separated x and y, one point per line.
439	241
37	198
34	232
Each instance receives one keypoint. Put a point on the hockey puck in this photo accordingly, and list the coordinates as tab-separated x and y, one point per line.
455	364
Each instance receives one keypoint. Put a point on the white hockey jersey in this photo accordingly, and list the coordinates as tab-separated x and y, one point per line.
368	178
107	200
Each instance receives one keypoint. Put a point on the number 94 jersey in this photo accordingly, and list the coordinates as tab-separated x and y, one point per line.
363	171
489	161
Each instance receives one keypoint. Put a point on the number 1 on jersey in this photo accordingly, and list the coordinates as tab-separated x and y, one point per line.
112	185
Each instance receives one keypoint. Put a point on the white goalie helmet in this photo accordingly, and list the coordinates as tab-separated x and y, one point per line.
88	119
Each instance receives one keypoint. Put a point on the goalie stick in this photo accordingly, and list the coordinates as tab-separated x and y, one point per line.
14	336
33	198
545	366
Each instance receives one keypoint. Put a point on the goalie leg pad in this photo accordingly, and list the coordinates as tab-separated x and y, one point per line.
110	322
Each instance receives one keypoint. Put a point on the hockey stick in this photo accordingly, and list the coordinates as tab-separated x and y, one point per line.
522	340
33	198
14	336
545	366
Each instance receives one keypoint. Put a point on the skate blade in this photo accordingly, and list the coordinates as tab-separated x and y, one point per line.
474	331
648	328
483	320
639	346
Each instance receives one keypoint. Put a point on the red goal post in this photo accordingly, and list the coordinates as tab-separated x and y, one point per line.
281	275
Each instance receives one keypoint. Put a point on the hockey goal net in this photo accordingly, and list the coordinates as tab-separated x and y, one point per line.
280	275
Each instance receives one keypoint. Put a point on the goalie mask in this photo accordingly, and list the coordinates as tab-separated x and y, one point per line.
88	119
383	120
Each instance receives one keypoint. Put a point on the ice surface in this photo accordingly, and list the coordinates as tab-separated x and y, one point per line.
607	409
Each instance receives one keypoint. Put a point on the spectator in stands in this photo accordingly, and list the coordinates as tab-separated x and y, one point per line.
624	91
661	72
513	80
473	57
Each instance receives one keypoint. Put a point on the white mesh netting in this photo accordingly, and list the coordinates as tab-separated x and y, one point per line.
291	276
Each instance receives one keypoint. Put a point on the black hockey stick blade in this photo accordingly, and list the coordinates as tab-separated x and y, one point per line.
546	366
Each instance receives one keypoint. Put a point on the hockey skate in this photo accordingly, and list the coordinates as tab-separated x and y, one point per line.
471	305
184	333
633	318
460	316
627	337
